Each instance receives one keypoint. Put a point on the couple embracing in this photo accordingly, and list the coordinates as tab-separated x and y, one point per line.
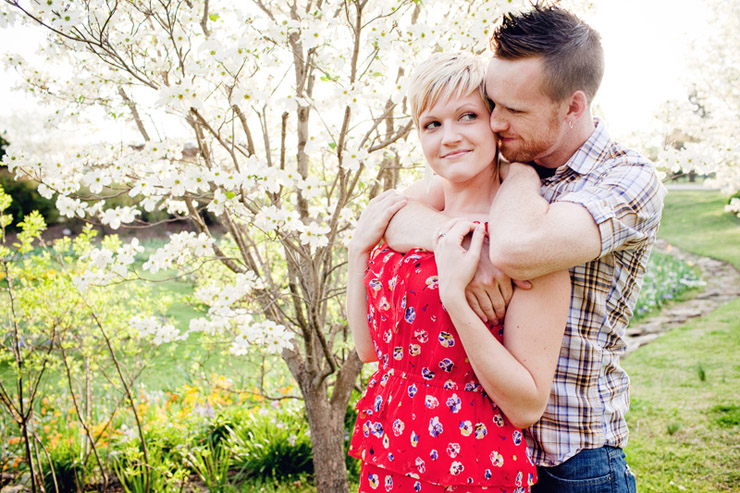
481	385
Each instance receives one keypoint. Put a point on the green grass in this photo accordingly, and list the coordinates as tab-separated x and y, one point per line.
696	221
685	413
684	418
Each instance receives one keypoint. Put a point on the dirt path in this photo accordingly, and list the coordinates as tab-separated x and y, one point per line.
723	285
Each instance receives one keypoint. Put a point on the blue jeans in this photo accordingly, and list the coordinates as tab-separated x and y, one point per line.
601	470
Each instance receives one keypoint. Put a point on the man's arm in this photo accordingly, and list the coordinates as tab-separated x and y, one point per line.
529	237
414	227
415	224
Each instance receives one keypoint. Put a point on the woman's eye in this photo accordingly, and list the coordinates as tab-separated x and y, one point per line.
431	125
469	116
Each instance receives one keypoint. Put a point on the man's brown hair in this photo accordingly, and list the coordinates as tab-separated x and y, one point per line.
569	48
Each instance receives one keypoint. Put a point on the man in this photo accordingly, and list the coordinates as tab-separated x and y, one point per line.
594	209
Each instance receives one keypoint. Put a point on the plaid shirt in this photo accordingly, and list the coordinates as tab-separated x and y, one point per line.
590	393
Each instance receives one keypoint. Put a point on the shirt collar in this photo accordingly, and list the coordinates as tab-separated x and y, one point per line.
583	160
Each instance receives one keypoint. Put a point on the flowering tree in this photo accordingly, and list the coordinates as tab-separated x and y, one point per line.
698	134
275	120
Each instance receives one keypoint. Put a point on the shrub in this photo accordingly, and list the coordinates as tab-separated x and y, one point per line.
164	451
26	199
273	445
68	471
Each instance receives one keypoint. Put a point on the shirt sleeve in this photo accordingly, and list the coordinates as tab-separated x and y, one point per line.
626	204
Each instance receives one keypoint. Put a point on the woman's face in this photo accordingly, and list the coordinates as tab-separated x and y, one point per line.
457	139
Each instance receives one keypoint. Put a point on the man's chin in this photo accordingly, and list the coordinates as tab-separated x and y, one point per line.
513	156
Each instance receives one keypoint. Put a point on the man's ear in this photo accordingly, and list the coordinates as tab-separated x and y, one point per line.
577	105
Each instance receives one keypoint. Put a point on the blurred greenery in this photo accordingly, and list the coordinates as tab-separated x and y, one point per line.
695	221
685	386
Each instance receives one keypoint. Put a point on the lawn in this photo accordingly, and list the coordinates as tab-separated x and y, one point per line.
696	221
685	412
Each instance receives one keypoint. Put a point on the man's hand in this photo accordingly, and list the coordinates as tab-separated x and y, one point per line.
374	220
490	290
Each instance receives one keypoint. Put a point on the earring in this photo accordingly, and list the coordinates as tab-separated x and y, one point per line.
570	124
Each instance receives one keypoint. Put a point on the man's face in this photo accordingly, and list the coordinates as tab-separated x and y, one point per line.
529	125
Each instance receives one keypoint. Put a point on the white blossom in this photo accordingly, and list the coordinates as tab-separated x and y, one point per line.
70	207
154	328
119	215
314	235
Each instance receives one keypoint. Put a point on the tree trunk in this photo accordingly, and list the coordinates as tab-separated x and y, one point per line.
327	438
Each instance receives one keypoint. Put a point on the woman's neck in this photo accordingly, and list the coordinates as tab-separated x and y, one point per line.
472	200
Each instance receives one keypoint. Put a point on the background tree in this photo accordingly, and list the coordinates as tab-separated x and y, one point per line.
278	119
699	133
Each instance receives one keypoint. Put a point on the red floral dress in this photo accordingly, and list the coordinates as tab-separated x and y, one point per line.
424	413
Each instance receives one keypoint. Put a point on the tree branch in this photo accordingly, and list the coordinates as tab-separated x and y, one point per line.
135	113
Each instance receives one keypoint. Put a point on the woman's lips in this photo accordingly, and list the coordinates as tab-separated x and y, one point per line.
454	154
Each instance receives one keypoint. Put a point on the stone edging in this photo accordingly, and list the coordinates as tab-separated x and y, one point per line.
723	285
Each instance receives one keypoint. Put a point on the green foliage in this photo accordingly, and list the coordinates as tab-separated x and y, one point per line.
211	462
165	475
701	373
54	333
353	464
273	445
26	199
68	474
672	428
165	447
666	279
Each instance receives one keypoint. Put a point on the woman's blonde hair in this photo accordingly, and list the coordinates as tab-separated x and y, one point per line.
444	76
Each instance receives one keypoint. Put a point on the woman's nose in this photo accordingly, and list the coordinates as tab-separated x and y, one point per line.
450	134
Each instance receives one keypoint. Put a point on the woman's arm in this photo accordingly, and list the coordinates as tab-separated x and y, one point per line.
517	375
356	303
368	232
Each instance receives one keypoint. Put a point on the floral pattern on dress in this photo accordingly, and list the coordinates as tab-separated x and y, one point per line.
424	412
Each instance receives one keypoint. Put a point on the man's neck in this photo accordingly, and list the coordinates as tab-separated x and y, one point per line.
576	137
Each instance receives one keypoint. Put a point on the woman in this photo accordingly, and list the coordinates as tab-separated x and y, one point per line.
445	408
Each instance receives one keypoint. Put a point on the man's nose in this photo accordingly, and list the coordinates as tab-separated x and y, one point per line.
497	123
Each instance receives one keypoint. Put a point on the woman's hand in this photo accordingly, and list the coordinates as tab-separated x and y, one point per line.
456	266
374	220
